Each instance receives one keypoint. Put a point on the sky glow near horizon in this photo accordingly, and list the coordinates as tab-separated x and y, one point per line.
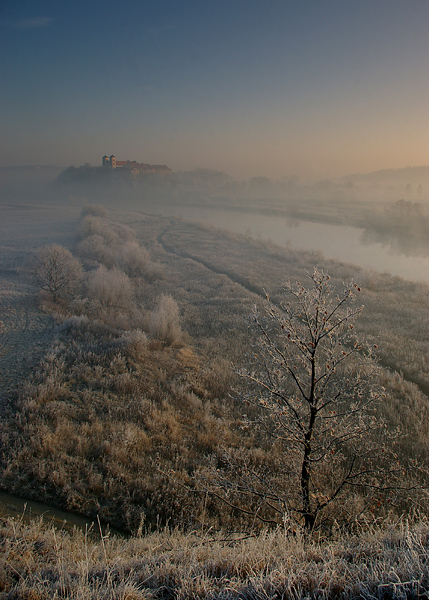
247	87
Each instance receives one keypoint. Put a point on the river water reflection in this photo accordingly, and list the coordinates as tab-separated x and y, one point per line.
334	241
18	508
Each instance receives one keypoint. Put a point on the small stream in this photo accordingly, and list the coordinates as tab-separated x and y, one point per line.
27	510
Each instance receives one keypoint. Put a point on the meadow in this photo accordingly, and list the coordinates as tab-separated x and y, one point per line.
119	399
38	561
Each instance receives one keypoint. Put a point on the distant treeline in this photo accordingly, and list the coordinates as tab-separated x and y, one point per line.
404	226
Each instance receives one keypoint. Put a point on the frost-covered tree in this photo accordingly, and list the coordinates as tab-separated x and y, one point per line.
313	390
55	270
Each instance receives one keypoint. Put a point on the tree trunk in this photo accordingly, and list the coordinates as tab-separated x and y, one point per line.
309	516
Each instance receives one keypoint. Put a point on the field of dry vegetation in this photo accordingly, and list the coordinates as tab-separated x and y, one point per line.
120	397
40	562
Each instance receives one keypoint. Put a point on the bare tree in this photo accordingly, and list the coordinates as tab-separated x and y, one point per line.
55	270
314	389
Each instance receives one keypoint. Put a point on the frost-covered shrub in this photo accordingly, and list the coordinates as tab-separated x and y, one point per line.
74	325
133	259
165	321
124	232
95	248
95	226
94	210
85	328
110	288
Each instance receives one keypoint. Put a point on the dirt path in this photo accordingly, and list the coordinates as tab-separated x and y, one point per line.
232	276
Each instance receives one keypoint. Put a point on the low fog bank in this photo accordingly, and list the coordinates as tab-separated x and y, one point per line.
207	186
389	207
27	182
204	185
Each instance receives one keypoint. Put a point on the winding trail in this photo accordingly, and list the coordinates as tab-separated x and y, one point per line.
259	291
232	276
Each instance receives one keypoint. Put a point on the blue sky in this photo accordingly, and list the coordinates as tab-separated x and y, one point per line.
249	87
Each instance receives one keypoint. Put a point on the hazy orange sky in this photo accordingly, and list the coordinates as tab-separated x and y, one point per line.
248	87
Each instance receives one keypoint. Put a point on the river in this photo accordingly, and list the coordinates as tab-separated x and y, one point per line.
333	241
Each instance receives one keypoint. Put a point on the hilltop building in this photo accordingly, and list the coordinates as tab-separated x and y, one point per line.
110	162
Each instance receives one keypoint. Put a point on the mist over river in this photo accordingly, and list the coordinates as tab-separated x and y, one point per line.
334	241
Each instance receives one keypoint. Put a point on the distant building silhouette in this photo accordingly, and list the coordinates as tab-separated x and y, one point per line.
110	162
